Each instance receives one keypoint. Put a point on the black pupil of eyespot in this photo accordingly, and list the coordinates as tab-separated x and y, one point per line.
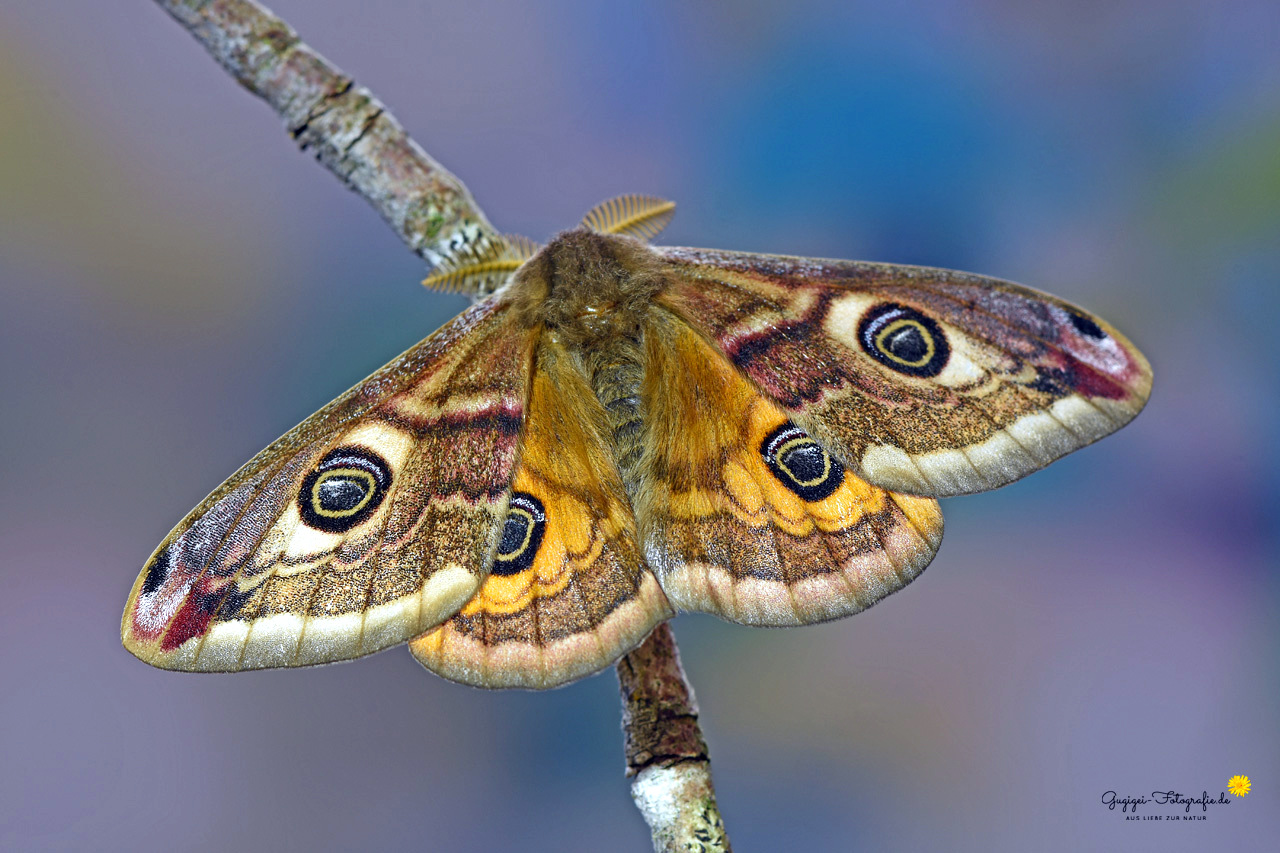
907	343
904	340
521	538
806	462
514	533
341	494
344	489
801	464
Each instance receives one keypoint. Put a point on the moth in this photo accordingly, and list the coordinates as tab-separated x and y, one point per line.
617	432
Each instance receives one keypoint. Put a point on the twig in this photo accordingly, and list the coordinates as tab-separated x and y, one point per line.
344	125
357	139
666	756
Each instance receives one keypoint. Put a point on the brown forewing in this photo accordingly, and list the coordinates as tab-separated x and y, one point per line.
245	582
1029	377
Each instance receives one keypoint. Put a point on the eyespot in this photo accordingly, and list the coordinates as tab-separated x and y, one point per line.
800	463
158	571
344	489
522	531
1086	326
904	339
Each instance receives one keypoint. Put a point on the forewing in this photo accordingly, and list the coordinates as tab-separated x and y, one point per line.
368	523
568	592
922	380
746	516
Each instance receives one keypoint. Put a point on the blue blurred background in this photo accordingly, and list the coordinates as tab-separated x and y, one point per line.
169	264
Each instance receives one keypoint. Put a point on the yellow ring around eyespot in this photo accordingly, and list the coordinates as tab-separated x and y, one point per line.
528	534
930	347
370	486
796	442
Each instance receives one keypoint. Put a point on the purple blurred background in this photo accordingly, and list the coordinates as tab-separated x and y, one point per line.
169	264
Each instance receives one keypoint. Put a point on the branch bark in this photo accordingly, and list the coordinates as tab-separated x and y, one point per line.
353	135
343	125
667	758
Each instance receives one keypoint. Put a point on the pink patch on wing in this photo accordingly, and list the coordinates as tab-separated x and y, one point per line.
192	621
1094	383
1098	364
153	611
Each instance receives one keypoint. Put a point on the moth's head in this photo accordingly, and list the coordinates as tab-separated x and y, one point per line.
482	266
584	284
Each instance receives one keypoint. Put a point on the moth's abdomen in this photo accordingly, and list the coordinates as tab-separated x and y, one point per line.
616	376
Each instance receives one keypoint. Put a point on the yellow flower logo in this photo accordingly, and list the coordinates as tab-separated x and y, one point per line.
1239	785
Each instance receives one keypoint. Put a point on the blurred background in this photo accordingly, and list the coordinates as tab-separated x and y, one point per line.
169	261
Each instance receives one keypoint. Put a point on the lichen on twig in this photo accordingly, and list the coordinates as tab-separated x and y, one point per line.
667	756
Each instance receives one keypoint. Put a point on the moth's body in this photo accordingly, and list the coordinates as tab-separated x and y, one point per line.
593	295
620	432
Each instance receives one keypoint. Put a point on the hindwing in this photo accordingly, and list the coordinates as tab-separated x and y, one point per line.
748	517
568	592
